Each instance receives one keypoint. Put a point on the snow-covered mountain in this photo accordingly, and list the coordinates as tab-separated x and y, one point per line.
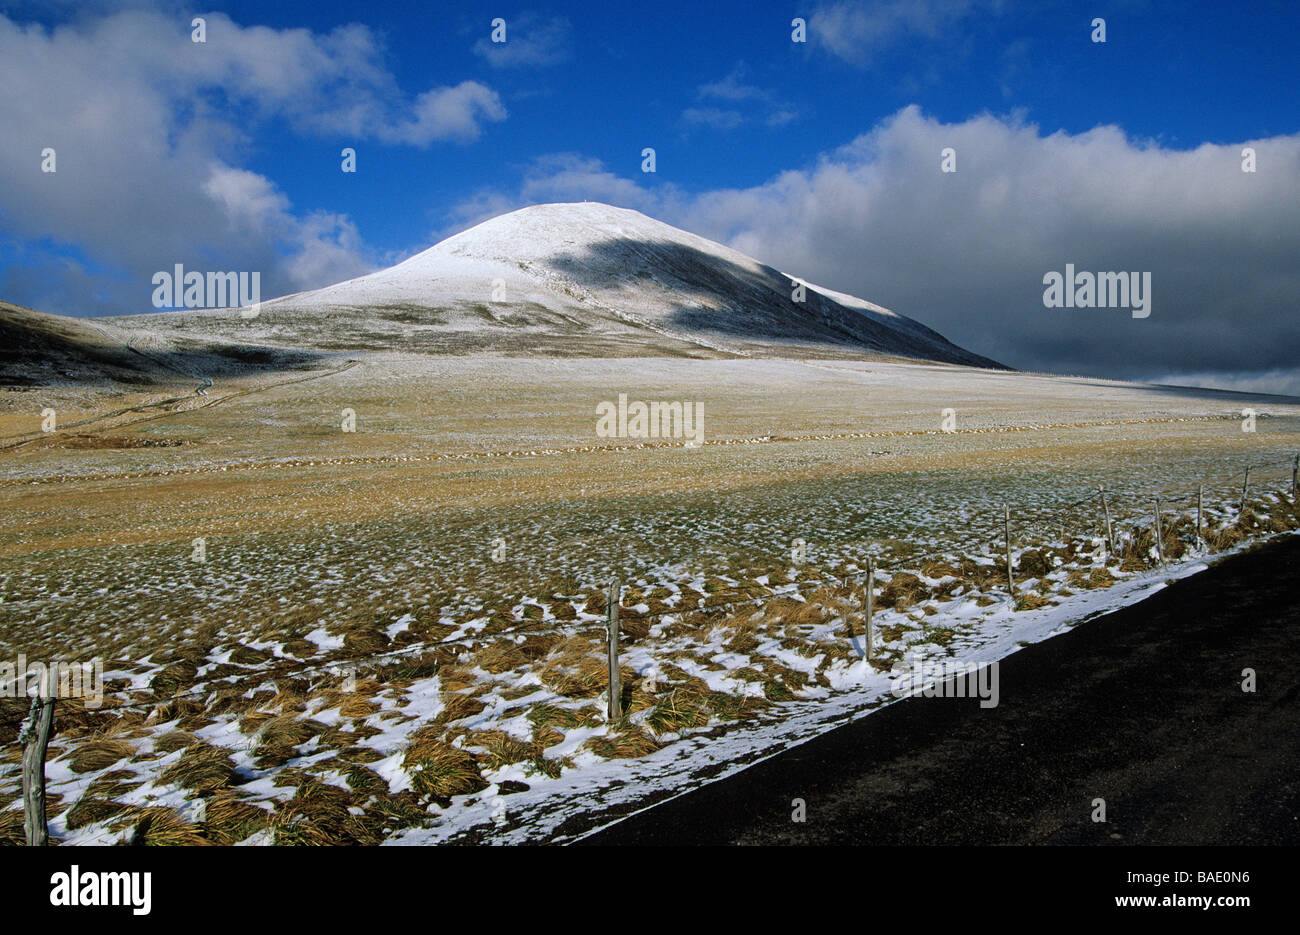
578	280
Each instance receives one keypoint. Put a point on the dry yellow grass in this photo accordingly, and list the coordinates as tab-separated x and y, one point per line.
89	522
174	740
11	828
202	768
501	748
439	769
93	755
227	820
902	591
544	736
627	743
679	709
356	705
88	810
319	815
574	668
159	827
500	656
549	715
456	707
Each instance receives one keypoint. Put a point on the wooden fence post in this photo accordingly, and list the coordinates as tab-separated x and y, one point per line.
35	738
1011	580
1160	535
615	708
868	607
1245	492
1105	506
1295	476
1200	493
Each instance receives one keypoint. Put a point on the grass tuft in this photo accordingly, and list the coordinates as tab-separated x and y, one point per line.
680	709
437	768
629	743
202	768
98	754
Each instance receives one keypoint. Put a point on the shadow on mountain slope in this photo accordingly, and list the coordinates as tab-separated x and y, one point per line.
37	349
726	300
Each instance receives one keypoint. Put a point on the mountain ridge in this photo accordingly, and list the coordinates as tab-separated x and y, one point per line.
568	280
577	279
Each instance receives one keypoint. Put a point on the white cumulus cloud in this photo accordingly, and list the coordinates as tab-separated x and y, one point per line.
150	132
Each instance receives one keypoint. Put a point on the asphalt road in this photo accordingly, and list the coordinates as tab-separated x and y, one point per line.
1143	708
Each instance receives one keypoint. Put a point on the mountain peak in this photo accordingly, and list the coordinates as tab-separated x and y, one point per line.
537	231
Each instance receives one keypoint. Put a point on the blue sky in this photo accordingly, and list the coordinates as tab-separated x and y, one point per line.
1125	152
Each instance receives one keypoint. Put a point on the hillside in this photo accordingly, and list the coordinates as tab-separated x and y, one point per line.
576	280
43	350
